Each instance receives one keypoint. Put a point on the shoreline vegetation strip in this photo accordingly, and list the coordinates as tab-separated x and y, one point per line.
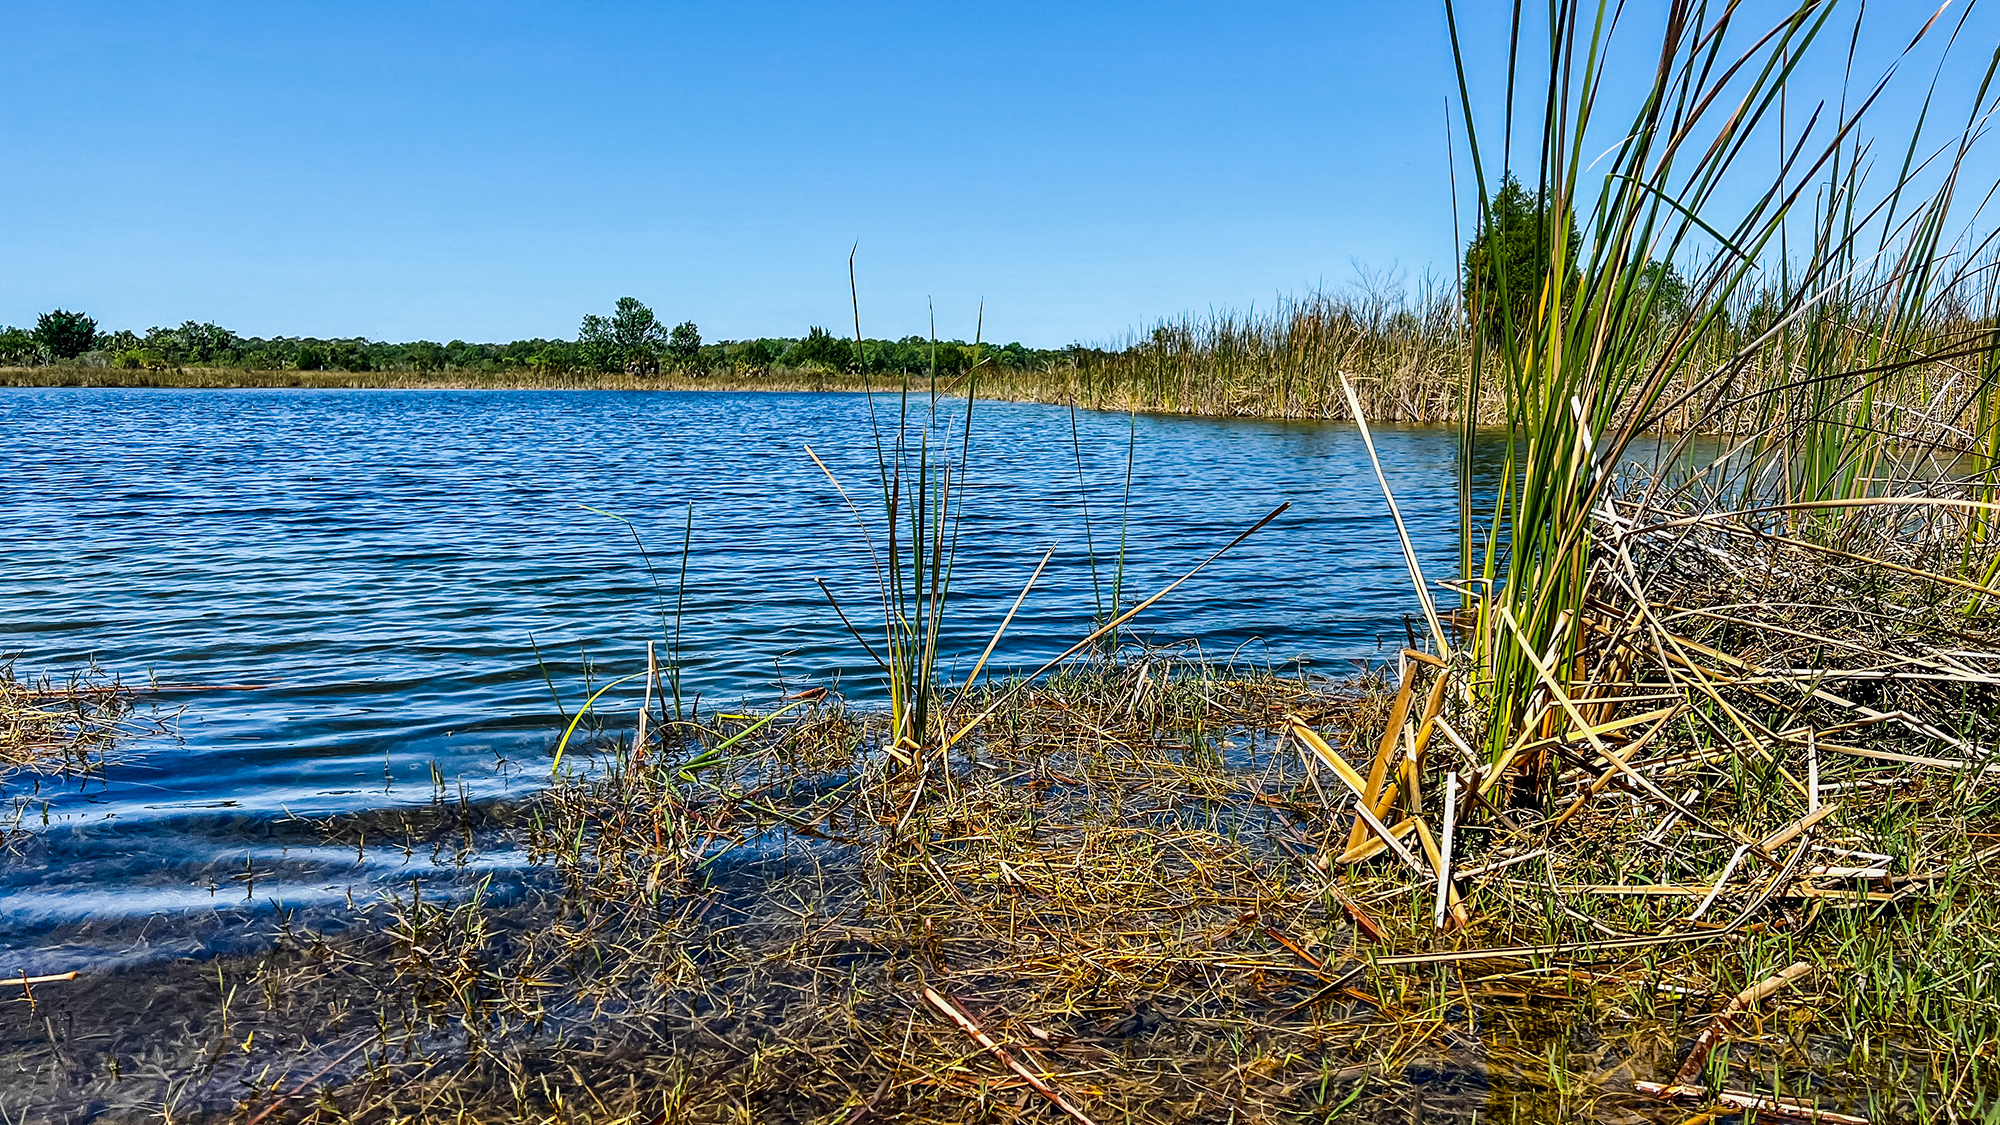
1923	375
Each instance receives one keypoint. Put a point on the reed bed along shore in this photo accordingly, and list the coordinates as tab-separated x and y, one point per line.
1414	366
1408	363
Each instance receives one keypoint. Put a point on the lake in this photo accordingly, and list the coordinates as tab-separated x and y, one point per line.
355	594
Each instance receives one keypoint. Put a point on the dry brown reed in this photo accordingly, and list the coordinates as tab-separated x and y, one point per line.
1774	746
52	727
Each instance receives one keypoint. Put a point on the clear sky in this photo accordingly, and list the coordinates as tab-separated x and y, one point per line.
494	171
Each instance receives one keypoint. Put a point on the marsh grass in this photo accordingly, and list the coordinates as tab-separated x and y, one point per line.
1129	883
1115	888
61	727
750	935
1282	363
1684	730
1407	363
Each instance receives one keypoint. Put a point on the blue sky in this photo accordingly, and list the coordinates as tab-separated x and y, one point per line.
492	171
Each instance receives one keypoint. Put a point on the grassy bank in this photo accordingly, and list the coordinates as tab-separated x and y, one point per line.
1407	364
1131	895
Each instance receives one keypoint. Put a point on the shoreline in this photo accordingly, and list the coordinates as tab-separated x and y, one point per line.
226	378
1053	388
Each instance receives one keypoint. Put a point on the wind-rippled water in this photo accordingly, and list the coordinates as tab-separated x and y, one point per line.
357	583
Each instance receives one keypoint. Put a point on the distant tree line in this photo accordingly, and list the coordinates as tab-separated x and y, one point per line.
1505	266
631	339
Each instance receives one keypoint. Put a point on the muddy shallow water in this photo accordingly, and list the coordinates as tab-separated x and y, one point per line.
470	978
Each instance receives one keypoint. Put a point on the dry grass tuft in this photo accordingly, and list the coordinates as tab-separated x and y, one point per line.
59	728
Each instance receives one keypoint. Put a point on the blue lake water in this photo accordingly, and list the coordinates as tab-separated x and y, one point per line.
358	582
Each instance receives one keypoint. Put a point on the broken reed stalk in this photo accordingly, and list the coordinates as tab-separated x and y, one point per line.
966	1024
47	978
1108	628
1396	514
1736	1101
640	736
1704	1044
279	1102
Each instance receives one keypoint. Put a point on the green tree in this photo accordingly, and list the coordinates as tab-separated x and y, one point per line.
519	353
66	335
634	326
203	343
952	357
115	342
555	356
684	343
821	348
1507	261
425	355
630	339
18	348
757	355
596	348
1663	292
348	356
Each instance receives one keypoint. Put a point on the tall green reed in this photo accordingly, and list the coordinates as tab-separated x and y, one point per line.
1592	359
921	492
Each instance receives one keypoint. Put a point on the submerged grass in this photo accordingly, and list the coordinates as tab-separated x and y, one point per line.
60	727
750	935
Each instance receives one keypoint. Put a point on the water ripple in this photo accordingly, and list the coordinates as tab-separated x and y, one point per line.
378	561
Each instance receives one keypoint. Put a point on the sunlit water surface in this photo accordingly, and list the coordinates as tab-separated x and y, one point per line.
348	592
